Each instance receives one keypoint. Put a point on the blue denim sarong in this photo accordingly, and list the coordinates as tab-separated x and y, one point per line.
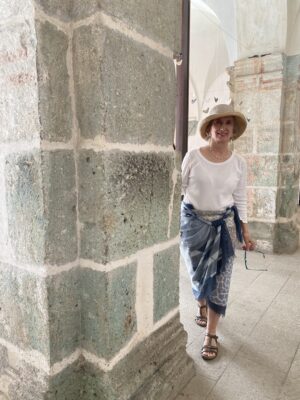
206	247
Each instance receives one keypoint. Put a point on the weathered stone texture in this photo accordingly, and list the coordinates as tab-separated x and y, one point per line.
123	202
290	138
157	368
166	281
262	170
287	202
121	86
25	208
64	308
23	320
41	203
286	238
53	83
14	8
25	382
18	83
175	218
60	206
155	19
108	316
262	231
268	139
262	203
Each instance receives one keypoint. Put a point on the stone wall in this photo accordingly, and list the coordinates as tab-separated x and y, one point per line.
90	201
266	89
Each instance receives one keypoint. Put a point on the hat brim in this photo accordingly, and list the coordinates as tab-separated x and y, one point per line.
240	123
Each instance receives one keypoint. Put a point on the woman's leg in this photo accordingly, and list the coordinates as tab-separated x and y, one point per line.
212	323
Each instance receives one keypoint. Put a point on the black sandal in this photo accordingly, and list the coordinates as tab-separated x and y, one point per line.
208	348
201	320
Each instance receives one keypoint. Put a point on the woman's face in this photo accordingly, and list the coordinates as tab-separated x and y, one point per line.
222	129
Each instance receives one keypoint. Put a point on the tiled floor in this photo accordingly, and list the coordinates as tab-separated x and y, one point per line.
259	352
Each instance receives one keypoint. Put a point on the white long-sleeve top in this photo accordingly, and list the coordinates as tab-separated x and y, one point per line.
211	186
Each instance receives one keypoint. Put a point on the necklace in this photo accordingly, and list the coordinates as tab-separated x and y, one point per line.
219	156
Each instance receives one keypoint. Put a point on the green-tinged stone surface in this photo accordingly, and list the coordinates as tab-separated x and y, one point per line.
108	317
123	202
60	206
156	368
64	308
41	206
25	206
121	86
286	238
262	231
287	202
166	281
160	21
268	139
24	310
53	83
290	139
262	170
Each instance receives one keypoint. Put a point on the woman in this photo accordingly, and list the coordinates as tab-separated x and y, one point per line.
214	216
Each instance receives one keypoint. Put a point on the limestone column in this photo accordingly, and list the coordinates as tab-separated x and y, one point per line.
89	263
265	86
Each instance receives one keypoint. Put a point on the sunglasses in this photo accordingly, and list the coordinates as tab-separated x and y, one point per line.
246	262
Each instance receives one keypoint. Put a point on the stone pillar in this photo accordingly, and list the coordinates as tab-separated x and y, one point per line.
90	202
265	88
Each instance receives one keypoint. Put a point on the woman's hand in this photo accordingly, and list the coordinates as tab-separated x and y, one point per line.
249	244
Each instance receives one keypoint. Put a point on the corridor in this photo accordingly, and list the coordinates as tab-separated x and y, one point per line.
259	354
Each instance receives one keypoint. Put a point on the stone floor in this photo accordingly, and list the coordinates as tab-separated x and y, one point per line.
259	352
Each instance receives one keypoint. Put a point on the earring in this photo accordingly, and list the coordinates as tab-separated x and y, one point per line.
231	144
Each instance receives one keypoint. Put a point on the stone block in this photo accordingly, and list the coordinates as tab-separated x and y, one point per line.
289	170
60	206
23	310
166	281
158	367
262	203
41	206
286	238
108	317
53	83
64	307
261	107
262	231
25	207
123	202
244	144
287	202
268	139
26	382
159	21
14	8
126	86
60	9
262	170
19	118
289	138
290	109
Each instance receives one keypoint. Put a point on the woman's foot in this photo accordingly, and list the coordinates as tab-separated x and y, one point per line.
201	317
210	347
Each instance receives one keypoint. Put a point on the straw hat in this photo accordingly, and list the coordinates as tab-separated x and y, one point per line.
224	110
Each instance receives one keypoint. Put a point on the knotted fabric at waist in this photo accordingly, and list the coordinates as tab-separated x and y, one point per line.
208	242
